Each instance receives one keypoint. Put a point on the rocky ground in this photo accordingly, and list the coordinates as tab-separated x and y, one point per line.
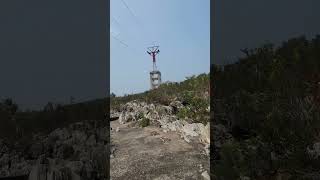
169	148
78	151
148	141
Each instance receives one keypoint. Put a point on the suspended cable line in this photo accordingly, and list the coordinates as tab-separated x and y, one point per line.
115	20
119	40
131	12
125	44
143	33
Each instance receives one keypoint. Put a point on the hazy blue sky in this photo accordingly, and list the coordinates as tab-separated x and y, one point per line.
180	27
249	23
51	50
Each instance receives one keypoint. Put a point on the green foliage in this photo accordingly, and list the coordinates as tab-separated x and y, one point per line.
144	122
284	70
249	109
273	92
140	116
192	91
196	108
184	113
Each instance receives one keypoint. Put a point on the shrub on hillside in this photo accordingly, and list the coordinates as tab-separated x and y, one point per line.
274	92
193	91
196	107
144	122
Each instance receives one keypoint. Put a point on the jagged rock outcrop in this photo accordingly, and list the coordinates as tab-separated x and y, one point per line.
77	151
135	111
165	117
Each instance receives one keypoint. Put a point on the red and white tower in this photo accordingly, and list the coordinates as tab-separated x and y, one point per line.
155	75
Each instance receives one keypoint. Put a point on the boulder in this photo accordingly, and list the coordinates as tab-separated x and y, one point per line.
207	149
61	134
205	134
176	105
314	152
193	129
205	175
114	114
153	116
126	117
173	126
164	121
164	110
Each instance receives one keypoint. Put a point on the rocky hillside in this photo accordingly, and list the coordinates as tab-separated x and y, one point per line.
142	114
266	113
193	93
150	131
78	151
163	133
59	142
183	107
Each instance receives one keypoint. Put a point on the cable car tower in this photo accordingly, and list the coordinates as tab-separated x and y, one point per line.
155	75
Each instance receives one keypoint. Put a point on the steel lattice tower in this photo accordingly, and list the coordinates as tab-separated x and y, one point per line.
155	75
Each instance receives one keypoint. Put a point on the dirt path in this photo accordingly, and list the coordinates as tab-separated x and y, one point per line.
150	153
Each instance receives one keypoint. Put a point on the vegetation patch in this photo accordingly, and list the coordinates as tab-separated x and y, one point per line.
144	122
274	93
193	92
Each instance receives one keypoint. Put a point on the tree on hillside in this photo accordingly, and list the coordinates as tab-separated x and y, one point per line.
112	95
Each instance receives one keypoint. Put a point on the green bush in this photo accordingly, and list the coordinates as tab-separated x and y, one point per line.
196	107
192	91
140	116
144	122
198	85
